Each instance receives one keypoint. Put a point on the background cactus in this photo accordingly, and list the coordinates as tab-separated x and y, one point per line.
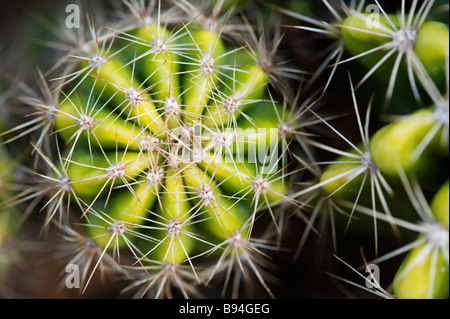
176	149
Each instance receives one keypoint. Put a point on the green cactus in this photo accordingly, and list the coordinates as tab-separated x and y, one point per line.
175	147
164	148
424	272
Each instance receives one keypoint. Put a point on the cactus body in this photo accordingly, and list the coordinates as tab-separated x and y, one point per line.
159	150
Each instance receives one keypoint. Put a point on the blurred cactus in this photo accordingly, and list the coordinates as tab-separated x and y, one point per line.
396	48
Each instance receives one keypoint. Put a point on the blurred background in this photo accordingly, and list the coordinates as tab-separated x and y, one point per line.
27	31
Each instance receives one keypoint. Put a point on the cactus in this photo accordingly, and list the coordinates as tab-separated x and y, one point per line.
415	145
423	273
175	149
159	146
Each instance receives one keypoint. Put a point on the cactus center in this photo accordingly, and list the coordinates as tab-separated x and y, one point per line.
155	176
116	170
235	240
232	105
171	107
259	184
367	162
169	269
173	228
441	112
85	122
210	24
266	65
207	65
133	96
64	183
90	246
159	46
96	60
147	20
117	228
405	39
224	139
284	129
50	113
437	235
206	194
